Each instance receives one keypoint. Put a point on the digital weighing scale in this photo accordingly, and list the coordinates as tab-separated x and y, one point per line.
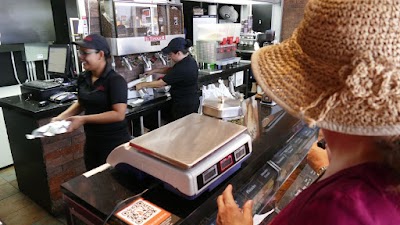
190	155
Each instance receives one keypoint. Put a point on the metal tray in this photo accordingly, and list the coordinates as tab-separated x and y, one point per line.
188	140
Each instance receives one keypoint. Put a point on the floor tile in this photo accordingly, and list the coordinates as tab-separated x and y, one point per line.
8	174
18	209
10	177
7	171
14	203
2	181
14	183
6	190
48	220
26	216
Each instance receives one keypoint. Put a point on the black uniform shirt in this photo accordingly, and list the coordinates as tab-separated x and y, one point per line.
183	80
109	89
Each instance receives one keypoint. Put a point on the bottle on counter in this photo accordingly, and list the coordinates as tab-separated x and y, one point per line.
250	23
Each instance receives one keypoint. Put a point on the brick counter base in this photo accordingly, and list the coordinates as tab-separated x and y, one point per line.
63	158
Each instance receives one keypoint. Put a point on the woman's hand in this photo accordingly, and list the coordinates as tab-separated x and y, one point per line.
148	72
57	118
140	86
317	158
76	122
228	211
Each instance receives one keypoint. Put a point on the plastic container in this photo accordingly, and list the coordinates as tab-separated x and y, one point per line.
230	63
224	65
236	61
227	109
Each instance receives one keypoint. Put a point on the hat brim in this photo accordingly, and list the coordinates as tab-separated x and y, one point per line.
281	72
296	81
166	50
87	45
83	44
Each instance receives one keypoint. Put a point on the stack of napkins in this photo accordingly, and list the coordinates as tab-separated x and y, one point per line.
50	129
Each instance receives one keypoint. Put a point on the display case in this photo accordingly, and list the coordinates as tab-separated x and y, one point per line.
139	26
212	52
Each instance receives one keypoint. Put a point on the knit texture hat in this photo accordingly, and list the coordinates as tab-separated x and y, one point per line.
340	69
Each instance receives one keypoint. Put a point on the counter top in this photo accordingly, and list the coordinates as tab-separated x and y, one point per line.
32	108
223	73
155	101
277	137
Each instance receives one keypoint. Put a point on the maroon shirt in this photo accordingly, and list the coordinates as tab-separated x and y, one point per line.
367	194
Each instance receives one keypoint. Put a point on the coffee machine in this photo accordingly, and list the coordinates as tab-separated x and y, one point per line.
266	38
253	41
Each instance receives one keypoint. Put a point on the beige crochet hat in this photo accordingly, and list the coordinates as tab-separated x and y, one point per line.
340	69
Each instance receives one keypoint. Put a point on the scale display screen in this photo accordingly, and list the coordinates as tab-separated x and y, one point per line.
226	163
240	153
210	174
222	166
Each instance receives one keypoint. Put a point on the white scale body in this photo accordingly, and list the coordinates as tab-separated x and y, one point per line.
188	178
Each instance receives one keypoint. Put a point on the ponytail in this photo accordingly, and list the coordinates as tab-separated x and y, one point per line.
188	44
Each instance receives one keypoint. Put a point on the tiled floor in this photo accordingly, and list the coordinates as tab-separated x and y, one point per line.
18	209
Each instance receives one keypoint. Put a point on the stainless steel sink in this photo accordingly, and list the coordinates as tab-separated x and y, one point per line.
148	78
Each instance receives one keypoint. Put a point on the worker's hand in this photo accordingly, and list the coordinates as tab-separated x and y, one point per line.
151	71
76	122
57	118
148	72
228	211
140	86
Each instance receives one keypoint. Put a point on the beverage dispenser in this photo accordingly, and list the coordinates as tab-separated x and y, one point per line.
133	27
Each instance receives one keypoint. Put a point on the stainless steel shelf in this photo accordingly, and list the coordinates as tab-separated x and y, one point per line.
245	51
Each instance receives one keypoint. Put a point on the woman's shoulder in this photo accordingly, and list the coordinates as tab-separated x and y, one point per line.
192	62
367	177
351	200
353	191
348	197
113	75
82	76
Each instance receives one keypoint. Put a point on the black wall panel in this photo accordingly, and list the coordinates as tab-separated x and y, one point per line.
59	10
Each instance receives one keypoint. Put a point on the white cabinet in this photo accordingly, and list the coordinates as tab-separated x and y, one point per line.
5	151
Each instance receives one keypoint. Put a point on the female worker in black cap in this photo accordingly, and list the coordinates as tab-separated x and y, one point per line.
102	95
182	77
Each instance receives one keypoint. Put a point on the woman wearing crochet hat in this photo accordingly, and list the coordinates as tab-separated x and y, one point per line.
339	71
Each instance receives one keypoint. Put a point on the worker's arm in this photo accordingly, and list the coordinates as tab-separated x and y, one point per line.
153	84
163	70
115	115
73	110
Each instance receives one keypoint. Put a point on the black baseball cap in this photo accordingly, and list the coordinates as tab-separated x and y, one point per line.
176	44
94	41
